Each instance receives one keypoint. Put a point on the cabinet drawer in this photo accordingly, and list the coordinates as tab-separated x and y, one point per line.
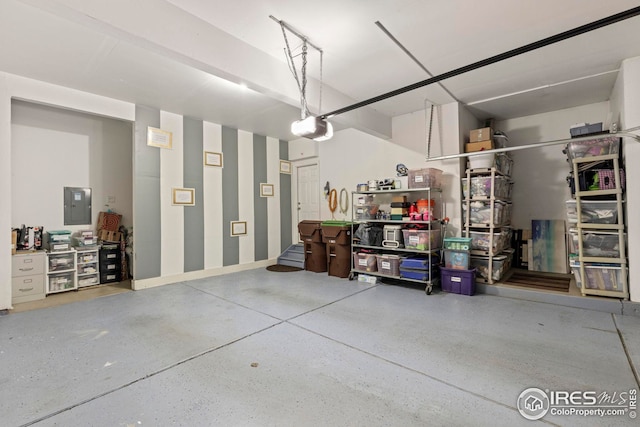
87	256
88	280
109	256
88	268
27	285
27	265
59	282
109	277
61	262
109	267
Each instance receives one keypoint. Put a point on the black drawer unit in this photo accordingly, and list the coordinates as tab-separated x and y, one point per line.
110	263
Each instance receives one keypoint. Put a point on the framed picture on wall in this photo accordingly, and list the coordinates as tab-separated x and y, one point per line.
238	228
285	166
183	196
266	190
159	138
212	159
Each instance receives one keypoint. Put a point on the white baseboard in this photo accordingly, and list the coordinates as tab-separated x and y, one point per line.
137	285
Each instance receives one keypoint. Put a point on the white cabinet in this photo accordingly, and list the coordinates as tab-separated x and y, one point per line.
88	267
27	277
61	271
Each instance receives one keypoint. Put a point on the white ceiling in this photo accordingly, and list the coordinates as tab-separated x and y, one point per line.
188	56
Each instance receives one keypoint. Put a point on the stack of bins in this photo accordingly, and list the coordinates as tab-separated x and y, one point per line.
337	236
315	255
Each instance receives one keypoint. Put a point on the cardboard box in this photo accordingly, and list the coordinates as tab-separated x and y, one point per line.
482	134
109	236
14	241
479	146
399	199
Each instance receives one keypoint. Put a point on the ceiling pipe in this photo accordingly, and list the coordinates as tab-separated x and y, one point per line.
492	60
413	58
623	134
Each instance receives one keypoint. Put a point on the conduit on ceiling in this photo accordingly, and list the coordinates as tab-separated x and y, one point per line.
622	134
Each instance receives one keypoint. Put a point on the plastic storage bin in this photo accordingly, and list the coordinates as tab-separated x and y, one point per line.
418	262
481	212
457	260
365	261
501	264
61	281
593	147
504	163
425	178
389	264
596	243
421	239
593	211
606	277
60	262
480	241
457	243
413	274
481	187
366	211
458	281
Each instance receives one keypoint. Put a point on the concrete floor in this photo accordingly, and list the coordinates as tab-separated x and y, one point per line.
264	348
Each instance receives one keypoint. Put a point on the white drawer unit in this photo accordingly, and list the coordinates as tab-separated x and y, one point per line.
61	272
27	277
88	267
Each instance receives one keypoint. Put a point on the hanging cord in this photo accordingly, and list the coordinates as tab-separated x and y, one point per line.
333	202
302	87
303	91
430	129
321	85
344	209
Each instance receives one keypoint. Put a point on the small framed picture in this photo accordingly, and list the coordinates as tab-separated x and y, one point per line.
212	159
159	138
266	190
238	228
183	196
285	166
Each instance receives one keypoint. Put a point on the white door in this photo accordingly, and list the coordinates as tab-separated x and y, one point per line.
308	192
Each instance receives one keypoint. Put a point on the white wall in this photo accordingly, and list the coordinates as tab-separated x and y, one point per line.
16	87
540	189
449	125
352	157
53	148
625	106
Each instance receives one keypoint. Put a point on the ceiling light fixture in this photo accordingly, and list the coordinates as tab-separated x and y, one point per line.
316	128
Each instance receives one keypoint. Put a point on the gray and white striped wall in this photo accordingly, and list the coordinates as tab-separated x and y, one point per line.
174	243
